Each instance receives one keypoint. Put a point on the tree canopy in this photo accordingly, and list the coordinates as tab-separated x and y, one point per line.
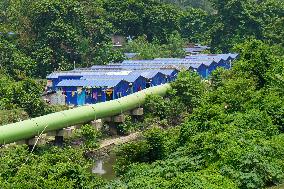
223	132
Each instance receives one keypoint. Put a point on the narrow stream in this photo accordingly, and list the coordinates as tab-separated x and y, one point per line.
104	166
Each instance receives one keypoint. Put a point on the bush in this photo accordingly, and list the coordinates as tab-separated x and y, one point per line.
131	153
89	136
11	116
189	88
128	126
171	110
46	168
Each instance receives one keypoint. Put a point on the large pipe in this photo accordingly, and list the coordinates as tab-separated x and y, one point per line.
59	120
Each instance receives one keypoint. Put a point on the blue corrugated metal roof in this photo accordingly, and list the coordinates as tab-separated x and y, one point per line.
130	55
147	73
167	72
213	56
57	74
234	55
88	83
125	71
166	58
131	78
199	58
102	77
87	72
170	62
105	66
190	50
194	61
135	66
133	75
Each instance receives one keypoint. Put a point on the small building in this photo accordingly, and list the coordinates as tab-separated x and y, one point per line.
195	48
138	82
170	73
131	55
211	67
223	60
201	69
81	92
54	78
154	77
118	41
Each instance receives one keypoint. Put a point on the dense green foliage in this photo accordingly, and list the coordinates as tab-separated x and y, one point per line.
226	132
89	135
232	138
50	35
147	50
21	94
10	116
202	4
240	20
46	168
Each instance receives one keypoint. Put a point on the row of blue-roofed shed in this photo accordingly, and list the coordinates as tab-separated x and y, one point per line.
92	86
106	82
204	64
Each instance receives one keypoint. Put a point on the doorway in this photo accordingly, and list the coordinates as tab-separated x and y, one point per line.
109	94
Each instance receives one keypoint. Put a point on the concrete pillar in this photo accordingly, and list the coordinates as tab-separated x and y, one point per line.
137	112
58	140
119	119
33	141
58	135
116	119
67	132
97	124
113	122
112	128
127	113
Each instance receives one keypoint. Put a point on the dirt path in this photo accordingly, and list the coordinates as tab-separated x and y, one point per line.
119	140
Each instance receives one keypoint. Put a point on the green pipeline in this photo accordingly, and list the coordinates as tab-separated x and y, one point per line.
59	120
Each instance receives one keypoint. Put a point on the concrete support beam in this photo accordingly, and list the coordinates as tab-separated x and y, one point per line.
107	119
97	124
113	122
137	112
119	119
116	119
68	131
22	142
56	133
36	141
60	134
33	141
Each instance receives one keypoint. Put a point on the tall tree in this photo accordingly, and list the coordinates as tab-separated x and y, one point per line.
148	17
240	20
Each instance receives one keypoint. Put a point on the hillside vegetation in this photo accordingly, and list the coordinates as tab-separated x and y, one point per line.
230	137
226	132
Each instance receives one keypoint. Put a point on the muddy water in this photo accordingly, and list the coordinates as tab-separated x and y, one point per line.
104	166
